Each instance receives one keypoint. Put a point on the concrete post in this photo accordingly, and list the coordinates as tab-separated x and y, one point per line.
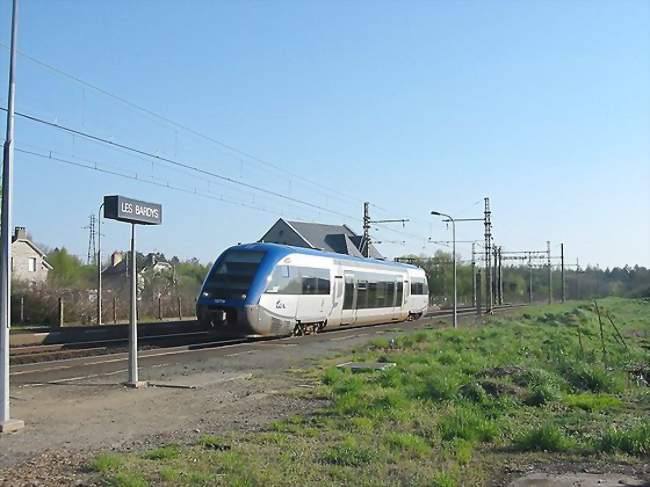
180	309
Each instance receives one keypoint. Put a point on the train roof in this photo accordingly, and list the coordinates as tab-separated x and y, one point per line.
282	250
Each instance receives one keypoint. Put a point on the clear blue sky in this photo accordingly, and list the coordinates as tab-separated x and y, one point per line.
414	106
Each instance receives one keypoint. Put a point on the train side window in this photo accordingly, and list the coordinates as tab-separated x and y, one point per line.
285	280
390	293
399	293
315	280
362	294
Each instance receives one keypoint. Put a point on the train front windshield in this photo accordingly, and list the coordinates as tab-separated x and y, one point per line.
233	275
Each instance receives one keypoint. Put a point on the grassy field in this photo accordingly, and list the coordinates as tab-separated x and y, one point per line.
545	384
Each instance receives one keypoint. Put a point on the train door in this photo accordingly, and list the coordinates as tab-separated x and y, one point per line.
407	296
348	313
336	315
397	298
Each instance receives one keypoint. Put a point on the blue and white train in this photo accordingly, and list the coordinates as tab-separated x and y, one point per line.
271	289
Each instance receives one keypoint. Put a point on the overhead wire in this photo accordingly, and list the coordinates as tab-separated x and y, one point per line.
163	184
180	164
181	126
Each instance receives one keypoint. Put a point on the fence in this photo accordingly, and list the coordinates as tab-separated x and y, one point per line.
70	309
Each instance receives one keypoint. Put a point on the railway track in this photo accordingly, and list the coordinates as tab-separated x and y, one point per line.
172	341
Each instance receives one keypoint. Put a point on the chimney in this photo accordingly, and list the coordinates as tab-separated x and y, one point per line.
116	258
20	232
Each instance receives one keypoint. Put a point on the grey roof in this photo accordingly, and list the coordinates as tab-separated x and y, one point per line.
331	238
374	253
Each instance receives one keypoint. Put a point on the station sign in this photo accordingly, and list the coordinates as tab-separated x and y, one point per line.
132	211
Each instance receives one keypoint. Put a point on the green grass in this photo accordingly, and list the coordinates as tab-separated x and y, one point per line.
166	452
521	385
591	402
547	437
634	440
105	462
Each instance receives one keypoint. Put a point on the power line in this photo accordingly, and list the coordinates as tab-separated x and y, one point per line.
179	125
161	184
180	164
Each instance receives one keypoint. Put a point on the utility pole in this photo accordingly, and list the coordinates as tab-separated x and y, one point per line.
473	273
488	254
530	278
562	272
550	272
92	251
7	424
455	295
366	242
99	265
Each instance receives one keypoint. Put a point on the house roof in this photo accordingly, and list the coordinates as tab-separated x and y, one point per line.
340	239
36	249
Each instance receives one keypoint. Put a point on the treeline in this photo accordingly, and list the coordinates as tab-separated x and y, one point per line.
587	283
160	290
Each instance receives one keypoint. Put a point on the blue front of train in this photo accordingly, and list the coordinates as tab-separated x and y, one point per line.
230	295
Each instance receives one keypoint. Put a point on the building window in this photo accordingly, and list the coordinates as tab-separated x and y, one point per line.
31	264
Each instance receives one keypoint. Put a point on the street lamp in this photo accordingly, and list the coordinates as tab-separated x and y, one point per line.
99	265
453	238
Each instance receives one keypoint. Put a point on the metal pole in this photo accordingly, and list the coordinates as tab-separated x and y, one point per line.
473	274
133	323
478	292
99	265
550	272
453	232
530	279
365	248
6	423
501	274
488	255
562	272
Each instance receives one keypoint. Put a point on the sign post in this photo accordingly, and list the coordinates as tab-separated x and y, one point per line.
135	212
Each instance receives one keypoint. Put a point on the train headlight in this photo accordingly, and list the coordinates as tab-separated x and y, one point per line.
243	296
205	294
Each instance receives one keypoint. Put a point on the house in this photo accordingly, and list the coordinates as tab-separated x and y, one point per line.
340	239
115	276
28	262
